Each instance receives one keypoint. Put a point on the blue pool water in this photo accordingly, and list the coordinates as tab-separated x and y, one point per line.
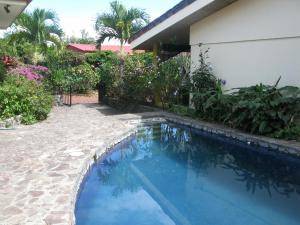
168	174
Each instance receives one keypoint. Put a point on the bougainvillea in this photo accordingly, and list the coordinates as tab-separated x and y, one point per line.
31	72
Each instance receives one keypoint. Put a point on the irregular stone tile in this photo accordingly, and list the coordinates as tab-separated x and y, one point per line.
12	210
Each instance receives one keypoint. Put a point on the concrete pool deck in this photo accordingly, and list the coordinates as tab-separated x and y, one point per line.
42	165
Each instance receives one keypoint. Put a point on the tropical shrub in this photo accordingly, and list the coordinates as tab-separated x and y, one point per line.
106	64
56	81
56	60
31	72
258	109
20	96
82	78
289	133
183	110
172	80
208	98
100	58
60	64
213	104
135	85
2	71
265	109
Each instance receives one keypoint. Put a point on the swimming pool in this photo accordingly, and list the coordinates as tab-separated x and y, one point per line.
171	174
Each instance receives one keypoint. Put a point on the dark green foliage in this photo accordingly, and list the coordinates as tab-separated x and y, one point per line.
258	109
60	64
63	59
99	58
172	80
120	23
82	78
56	81
2	71
205	86
213	104
203	77
135	85
106	64
183	110
19	96
265	109
289	133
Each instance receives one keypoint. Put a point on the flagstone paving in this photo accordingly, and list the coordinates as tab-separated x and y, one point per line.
41	165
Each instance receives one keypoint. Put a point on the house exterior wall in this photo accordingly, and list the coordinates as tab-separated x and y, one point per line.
252	41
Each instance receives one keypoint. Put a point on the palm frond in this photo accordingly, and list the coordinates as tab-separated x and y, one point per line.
37	26
120	23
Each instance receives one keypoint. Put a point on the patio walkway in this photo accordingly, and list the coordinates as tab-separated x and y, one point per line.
41	165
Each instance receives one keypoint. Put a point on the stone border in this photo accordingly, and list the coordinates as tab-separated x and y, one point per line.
10	123
285	147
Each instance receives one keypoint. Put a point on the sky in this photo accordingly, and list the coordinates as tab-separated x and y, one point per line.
76	15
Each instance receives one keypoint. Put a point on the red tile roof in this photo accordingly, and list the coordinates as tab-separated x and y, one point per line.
82	47
86	48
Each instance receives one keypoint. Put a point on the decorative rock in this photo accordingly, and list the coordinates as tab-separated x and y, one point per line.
2	124
9	123
18	119
58	100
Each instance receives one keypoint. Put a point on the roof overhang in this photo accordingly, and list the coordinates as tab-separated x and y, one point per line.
173	27
9	10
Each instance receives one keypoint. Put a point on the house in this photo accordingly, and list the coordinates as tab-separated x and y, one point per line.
9	10
249	41
88	48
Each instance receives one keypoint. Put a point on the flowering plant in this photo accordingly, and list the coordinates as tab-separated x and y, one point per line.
31	72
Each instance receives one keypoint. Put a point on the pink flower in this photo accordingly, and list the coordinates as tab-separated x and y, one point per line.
31	72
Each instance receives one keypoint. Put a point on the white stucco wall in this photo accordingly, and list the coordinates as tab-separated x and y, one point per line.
252	41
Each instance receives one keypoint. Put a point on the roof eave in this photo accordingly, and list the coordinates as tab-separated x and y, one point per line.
22	3
176	22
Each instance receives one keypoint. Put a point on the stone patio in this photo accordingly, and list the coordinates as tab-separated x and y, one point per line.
42	166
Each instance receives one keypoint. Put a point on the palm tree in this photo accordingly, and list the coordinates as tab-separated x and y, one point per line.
120	23
37	27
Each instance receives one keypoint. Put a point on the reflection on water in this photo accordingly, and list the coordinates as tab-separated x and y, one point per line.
174	175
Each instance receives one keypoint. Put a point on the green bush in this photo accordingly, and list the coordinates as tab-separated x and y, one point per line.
213	104
289	133
19	96
183	110
265	109
60	63
106	64
82	78
64	59
135	84
100	58
207	90
56	81
258	109
172	81
2	71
